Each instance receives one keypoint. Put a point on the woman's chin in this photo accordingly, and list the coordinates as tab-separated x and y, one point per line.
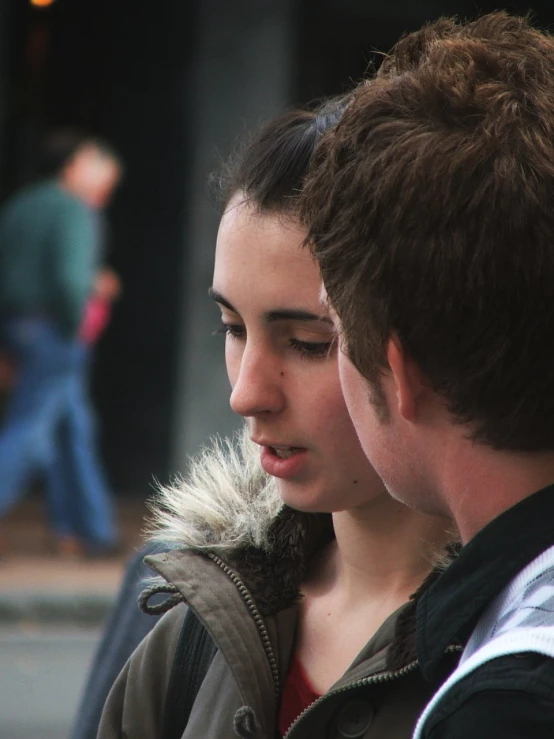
305	498
311	497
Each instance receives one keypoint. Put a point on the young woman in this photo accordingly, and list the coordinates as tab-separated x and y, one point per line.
293	557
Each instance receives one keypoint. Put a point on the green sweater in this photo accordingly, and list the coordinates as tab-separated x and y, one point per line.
49	248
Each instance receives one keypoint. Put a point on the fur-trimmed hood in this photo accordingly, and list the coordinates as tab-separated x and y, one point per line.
227	505
225	502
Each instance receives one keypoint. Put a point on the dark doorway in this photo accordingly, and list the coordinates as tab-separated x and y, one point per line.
119	70
338	40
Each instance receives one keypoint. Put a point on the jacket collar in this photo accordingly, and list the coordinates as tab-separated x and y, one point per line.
449	610
403	648
212	594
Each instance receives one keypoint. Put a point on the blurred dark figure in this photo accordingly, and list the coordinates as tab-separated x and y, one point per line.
125	628
51	244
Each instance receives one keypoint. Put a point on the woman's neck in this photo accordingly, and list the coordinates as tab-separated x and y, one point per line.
381	555
384	548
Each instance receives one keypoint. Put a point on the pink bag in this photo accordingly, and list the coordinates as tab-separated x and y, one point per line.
96	317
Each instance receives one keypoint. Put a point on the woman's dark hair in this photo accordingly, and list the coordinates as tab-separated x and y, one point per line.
270	167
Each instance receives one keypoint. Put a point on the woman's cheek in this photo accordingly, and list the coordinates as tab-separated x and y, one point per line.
322	385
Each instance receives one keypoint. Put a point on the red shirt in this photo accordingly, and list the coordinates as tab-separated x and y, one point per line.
298	694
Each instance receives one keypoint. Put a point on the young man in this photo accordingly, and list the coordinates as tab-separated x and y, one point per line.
431	211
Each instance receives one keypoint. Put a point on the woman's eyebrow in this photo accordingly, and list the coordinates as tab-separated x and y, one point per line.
295	314
279	314
218	297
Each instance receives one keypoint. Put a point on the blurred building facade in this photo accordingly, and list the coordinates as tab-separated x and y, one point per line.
173	85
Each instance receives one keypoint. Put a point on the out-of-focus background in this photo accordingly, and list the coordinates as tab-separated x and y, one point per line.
171	84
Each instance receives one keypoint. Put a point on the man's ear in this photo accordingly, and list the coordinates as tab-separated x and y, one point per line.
407	379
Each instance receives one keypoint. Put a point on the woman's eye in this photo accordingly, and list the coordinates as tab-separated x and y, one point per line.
235	330
312	349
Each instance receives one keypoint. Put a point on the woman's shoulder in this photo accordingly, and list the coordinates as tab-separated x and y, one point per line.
146	675
151	663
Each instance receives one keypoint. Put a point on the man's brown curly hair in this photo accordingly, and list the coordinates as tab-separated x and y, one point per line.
430	207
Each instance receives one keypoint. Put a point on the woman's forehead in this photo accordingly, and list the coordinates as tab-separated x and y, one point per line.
262	258
264	241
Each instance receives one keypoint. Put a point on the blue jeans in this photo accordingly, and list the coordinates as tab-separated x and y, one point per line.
48	427
79	501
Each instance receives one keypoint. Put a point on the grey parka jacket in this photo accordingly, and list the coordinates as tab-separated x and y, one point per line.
241	565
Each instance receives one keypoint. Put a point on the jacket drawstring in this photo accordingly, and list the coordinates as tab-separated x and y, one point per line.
175	597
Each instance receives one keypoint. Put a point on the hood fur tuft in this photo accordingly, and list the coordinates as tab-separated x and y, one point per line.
225	502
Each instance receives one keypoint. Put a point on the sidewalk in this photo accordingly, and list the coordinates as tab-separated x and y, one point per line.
39	587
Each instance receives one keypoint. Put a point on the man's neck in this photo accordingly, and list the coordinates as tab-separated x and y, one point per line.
480	483
79	193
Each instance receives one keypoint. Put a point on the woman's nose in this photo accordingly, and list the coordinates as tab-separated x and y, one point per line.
258	386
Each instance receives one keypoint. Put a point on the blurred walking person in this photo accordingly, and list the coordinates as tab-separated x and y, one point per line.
77	493
51	237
